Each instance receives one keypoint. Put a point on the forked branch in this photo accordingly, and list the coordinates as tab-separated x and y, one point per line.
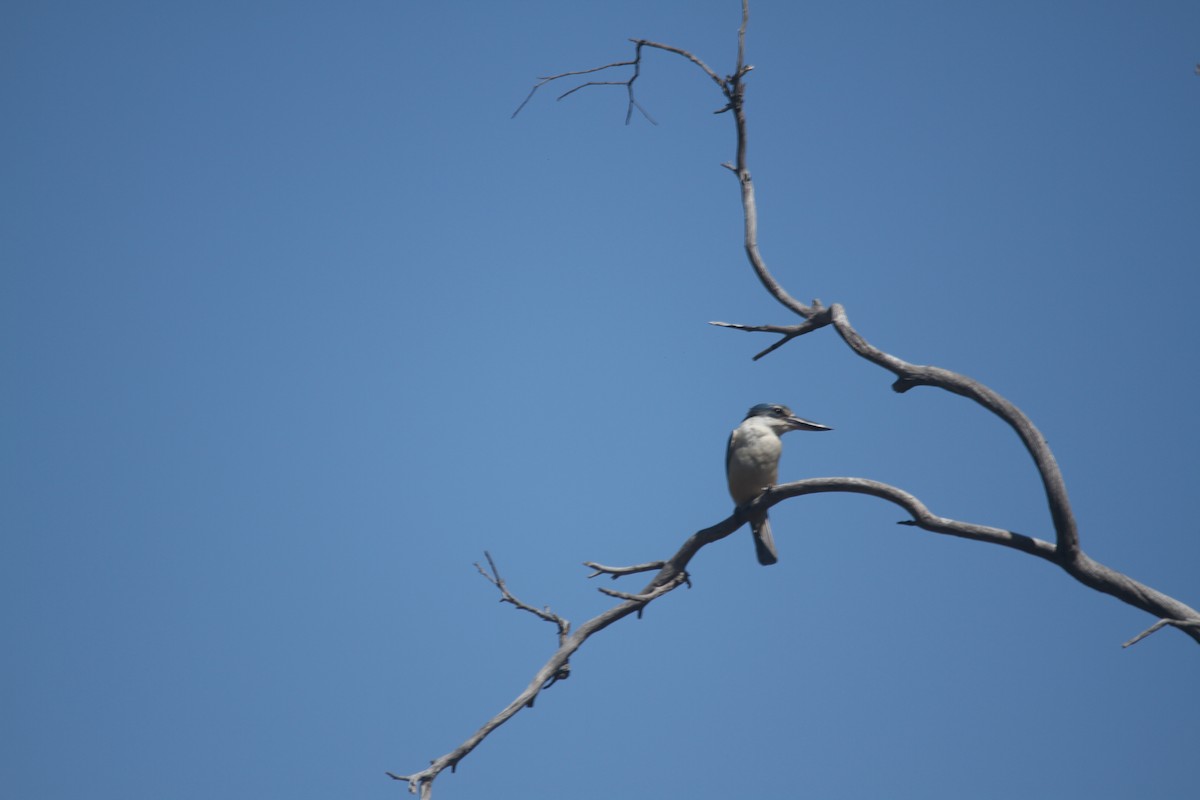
673	572
492	574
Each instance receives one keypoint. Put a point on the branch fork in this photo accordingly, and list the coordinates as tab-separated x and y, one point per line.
671	573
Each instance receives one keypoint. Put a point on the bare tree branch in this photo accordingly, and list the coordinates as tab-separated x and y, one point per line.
1178	623
636	63
1087	571
721	82
673	572
616	572
910	375
422	782
822	317
493	577
1065	552
816	316
544	80
677	577
733	88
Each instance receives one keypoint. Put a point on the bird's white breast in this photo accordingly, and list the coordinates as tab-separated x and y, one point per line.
754	452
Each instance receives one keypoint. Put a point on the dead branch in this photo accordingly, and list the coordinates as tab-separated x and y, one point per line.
673	573
616	572
493	577
1178	623
422	782
636	63
1065	552
909	376
1087	571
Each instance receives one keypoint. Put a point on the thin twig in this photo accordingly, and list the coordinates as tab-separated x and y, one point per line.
646	597
617	572
721	84
564	626
1162	623
821	317
547	79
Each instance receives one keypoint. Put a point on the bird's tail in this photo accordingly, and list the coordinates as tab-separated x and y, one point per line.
764	542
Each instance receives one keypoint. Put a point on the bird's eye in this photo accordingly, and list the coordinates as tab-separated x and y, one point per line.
777	410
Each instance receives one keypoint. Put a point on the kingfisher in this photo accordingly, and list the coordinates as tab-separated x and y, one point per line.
752	464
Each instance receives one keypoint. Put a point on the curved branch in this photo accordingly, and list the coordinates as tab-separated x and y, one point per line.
735	91
673	573
1066	551
1082	568
908	375
911	375
922	517
681	52
733	88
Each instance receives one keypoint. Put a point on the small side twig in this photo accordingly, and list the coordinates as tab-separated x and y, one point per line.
821	317
636	63
616	572
673	573
542	81
1162	623
563	625
678	578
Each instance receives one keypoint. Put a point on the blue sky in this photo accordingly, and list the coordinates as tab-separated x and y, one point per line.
296	322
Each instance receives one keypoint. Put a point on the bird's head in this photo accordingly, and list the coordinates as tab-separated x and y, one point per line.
781	419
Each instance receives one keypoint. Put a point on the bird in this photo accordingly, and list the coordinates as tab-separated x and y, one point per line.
752	464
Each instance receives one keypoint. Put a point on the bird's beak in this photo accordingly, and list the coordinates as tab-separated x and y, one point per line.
798	424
